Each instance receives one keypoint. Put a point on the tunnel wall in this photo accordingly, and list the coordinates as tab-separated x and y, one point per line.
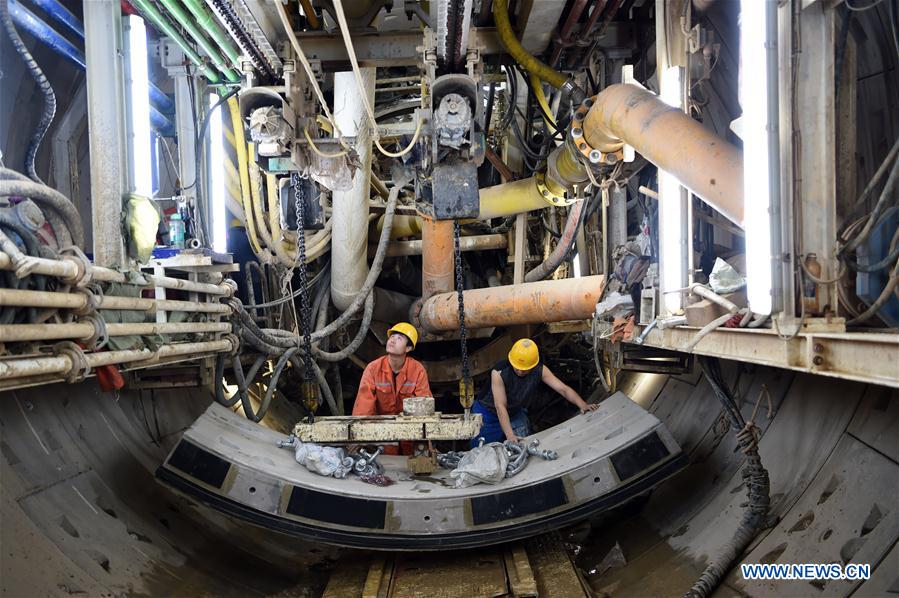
82	511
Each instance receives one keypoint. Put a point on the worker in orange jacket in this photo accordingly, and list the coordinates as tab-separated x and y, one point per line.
388	380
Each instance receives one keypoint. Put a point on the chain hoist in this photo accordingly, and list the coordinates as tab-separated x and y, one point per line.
308	387
466	385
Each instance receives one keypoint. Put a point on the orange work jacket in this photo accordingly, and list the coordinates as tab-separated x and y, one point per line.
380	393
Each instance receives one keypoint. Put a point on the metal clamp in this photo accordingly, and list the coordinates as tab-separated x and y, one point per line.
546	455
367	464
80	367
100	336
85	270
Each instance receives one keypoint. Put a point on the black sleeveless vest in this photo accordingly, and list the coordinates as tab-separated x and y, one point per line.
519	389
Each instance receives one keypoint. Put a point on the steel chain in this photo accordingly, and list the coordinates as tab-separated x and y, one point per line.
466	389
305	322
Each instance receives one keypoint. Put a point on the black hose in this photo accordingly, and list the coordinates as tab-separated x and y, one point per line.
755	477
513	99
43	84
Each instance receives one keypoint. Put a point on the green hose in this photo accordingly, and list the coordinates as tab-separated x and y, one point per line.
211	26
527	60
164	25
186	21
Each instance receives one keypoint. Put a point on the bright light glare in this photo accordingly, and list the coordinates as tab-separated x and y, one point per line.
672	243
756	181
139	90
217	178
576	265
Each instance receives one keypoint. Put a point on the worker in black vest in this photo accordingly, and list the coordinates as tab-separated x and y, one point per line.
503	402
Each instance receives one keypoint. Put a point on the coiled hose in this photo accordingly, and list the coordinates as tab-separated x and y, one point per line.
283	339
563	245
243	385
9	223
43	84
755	477
59	210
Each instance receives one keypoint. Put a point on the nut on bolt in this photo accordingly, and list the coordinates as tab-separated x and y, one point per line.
818	360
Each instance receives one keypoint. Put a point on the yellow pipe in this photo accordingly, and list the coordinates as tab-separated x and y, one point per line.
502	200
511	198
242	163
530	63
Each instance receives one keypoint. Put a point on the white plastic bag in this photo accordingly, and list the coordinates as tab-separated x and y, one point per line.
328	461
484	464
725	278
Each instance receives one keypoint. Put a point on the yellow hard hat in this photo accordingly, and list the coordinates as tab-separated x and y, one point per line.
524	354
406	329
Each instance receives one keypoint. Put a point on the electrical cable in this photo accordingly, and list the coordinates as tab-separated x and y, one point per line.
375	133
269	336
293	295
854	8
199	146
49	109
310	74
317	151
875	179
885	195
755	477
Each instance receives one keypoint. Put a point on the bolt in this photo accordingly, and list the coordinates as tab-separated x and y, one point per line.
595	156
819	348
818	360
611	158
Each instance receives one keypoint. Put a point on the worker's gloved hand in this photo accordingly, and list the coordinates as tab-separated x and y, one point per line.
585	408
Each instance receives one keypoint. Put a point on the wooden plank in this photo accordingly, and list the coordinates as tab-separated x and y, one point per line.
348	578
377	581
519	573
554	572
454	574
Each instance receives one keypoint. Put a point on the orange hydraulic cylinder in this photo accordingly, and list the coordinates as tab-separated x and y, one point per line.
437	257
704	163
528	303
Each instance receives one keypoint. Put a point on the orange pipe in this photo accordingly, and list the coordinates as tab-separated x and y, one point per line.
706	164
528	303
437	257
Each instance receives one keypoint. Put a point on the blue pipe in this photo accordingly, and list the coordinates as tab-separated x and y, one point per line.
61	15
44	33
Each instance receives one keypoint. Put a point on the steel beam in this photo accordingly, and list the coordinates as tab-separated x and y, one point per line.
106	127
816	126
397	48
864	357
